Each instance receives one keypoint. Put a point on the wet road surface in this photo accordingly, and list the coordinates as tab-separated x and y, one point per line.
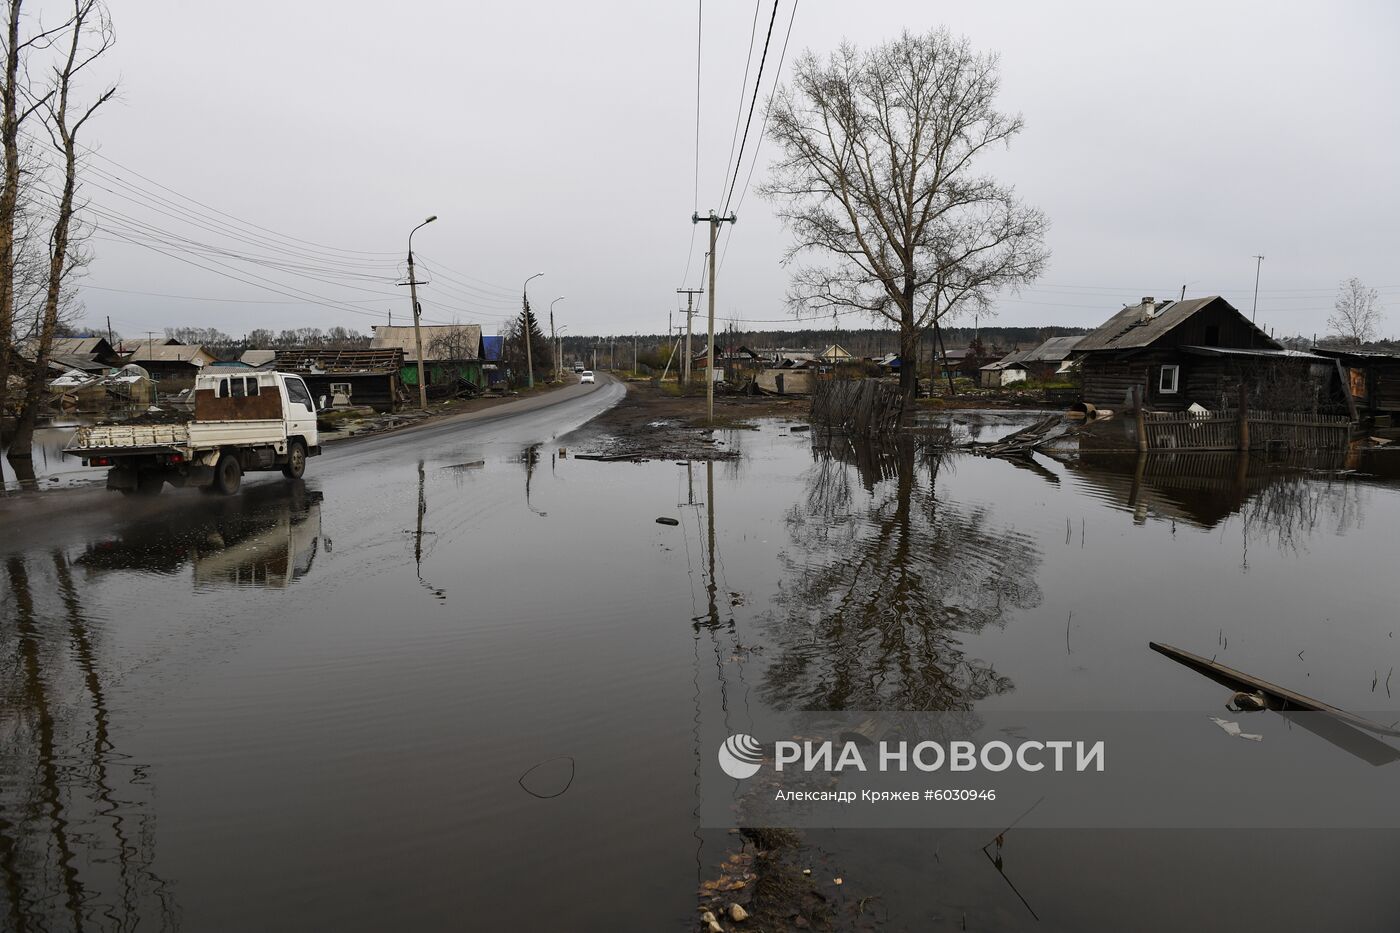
456	679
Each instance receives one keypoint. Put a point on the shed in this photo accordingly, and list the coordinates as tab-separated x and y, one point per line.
835	354
1052	357
348	376
1005	371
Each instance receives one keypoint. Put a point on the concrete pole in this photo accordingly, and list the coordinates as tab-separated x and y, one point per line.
714	220
417	330
417	335
710	339
527	317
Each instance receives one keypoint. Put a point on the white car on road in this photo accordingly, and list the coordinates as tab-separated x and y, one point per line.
586	378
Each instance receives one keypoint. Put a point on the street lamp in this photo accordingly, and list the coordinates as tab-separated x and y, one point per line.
529	356
559	346
557	371
417	332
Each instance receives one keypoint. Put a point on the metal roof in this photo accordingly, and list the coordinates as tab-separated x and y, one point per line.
1054	350
1265	353
468	336
1133	328
171	353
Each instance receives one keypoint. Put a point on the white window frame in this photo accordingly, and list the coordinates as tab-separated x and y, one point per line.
340	388
1175	371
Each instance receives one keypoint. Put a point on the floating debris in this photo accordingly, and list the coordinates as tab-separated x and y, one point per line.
663	520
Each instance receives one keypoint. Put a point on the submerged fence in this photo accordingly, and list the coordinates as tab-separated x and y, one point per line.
1258	429
863	407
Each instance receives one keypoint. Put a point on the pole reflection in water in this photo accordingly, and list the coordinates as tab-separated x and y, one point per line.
438	592
879	589
76	816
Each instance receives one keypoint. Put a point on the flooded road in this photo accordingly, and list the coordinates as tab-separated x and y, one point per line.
455	678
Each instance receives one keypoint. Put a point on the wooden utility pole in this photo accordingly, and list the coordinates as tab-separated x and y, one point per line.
714	221
689	294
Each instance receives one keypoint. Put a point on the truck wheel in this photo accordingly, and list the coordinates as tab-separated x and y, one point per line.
228	475
296	460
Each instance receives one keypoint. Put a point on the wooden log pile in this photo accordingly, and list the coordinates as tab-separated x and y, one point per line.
859	407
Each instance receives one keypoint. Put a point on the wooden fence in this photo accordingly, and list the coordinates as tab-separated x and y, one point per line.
1261	429
861	407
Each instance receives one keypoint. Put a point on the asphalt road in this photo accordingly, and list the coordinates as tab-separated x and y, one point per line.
348	468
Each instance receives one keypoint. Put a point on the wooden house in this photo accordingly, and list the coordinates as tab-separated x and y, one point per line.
172	365
452	353
1197	351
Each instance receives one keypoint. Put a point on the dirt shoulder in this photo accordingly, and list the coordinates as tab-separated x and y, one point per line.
651	424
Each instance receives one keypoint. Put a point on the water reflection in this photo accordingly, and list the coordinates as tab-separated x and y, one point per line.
268	536
76	816
881	579
1281	502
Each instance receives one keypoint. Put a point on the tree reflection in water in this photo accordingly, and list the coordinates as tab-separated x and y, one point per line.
882	578
76	822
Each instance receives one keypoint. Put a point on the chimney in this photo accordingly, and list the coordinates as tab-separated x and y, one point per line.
1149	306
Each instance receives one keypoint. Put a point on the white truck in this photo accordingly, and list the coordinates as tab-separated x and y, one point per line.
242	421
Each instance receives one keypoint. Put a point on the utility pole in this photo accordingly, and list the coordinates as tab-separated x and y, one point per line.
690	294
714	221
527	320
417	331
558	371
634	353
1258	261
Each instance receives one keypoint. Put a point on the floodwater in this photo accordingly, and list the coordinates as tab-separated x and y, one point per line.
454	679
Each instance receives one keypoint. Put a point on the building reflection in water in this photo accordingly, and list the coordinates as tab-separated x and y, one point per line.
882	581
267	536
77	818
1281	502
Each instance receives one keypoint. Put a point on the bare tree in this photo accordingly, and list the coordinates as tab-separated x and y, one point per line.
90	36
1356	314
16	107
877	177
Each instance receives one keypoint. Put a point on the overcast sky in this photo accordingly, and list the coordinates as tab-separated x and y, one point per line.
1168	144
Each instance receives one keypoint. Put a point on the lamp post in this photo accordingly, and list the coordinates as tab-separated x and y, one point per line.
559	347
529	356
558	373
417	331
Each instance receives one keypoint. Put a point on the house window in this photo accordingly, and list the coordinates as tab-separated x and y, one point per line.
1167	382
340	388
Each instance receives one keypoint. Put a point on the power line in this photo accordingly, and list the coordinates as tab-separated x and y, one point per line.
763	128
739	111
758	81
699	39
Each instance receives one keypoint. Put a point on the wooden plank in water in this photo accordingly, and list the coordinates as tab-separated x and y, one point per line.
1279	698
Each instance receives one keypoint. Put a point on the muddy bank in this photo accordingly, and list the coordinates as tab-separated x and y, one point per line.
650	424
